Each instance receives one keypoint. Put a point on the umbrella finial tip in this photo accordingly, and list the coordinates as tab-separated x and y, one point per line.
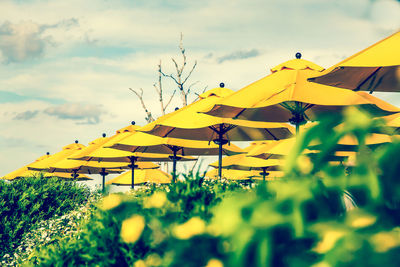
222	85
104	135
298	55
133	122
76	141
47	153
176	108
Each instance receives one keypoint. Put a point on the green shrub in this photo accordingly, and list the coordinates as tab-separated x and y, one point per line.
299	220
26	201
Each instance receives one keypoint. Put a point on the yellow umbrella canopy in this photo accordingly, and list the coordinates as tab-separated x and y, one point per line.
350	143
77	167
147	143
66	151
287	96
142	176
188	123
243	162
25	172
134	159
282	148
231	174
376	68
93	145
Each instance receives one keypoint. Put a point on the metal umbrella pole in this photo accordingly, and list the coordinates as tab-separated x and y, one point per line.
220	142
133	166
103	173
264	172
174	159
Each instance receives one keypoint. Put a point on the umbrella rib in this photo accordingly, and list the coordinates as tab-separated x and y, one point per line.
169	132
273	136
240	113
365	80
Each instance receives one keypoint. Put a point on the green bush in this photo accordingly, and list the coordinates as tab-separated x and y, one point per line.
26	201
299	220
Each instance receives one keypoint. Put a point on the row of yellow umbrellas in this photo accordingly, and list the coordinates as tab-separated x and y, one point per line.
259	111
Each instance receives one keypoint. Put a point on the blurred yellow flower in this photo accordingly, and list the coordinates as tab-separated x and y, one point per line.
328	241
363	221
132	228
157	200
153	260
111	201
385	241
195	226
304	164
214	263
139	263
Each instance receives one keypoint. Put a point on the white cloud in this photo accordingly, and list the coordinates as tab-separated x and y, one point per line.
83	113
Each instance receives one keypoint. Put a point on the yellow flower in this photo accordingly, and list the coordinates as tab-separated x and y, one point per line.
111	201
304	164
328	241
385	241
157	200
195	226
140	263
363	221
214	263
132	228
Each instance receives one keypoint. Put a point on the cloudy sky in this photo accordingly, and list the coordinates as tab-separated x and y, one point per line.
66	66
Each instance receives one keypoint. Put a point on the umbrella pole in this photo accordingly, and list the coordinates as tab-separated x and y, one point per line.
220	142
174	167
103	174
264	172
297	128
174	159
133	160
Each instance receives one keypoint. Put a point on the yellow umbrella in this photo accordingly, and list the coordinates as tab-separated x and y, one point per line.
147	143
243	175
282	148
247	163
25	172
376	68
142	176
350	143
135	160
188	123
287	96
66	151
77	167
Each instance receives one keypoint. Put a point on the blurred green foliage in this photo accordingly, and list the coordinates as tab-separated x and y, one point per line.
319	214
26	201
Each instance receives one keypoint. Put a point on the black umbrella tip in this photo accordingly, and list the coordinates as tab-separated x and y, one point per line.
298	55
47	153
76	141
222	85
176	108
104	135
133	122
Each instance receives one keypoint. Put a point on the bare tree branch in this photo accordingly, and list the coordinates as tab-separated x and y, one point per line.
190	73
198	95
172	96
149	116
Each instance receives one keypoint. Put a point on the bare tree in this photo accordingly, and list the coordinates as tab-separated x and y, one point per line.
179	78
